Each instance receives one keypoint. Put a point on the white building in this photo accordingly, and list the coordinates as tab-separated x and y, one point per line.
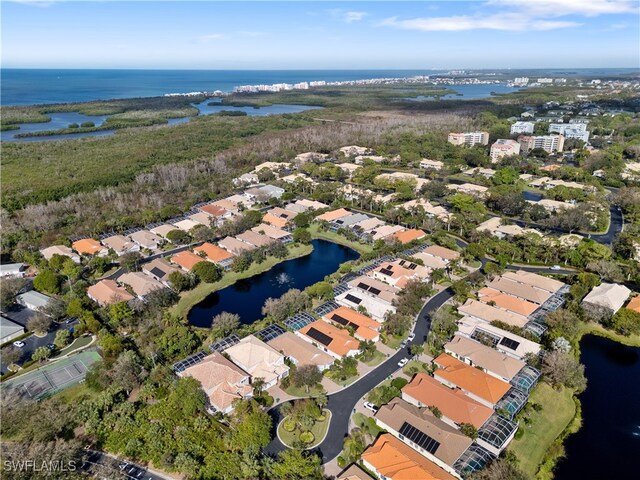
504	148
548	143
432	164
576	130
468	138
12	270
522	127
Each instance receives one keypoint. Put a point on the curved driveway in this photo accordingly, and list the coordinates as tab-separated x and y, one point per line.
343	402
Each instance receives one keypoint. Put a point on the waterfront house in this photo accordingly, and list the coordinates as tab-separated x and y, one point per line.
365	328
215	254
259	360
274	233
606	297
300	352
335	341
186	260
141	284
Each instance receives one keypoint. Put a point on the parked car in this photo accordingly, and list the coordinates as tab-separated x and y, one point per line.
411	336
18	344
51	346
403	362
370	406
403	343
555	267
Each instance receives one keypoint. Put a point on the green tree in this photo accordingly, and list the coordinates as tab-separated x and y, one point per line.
39	323
177	341
306	376
178	237
131	261
62	338
469	430
563	369
10	354
224	324
47	281
179	281
295	465
322	290
120	313
9	288
302	235
240	263
626	322
505	176
250	428
127	372
40	354
207	272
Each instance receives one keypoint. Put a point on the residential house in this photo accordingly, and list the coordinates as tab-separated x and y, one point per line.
399	272
163	230
353	472
364	327
409	236
215	254
307	157
485	172
493	362
300	352
141	284
430	210
475	383
431	164
274	233
349	220
502	340
9	330
255	239
264	193
311	204
359	159
259	360
333	215
420	429
120	245
279	217
89	246
33	300
488	313
444	254
552	205
634	304
335	341
186	260
12	269
219	214
62	250
606	297
384	231
390	459
374	306
107	292
186	224
353	150
375	289
146	239
469	189
235	246
348	168
456	407
222	381
203	218
160	270
246	179
495	227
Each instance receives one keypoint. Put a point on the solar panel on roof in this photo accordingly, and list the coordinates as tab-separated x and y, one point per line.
419	437
353	299
340	319
319	336
413	266
157	272
386	271
363	286
374	290
402	262
509	343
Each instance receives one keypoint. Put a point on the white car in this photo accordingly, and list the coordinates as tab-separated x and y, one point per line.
18	344
370	406
403	362
411	336
555	267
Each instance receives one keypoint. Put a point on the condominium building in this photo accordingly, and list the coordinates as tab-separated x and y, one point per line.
522	127
577	130
504	148
548	143
469	138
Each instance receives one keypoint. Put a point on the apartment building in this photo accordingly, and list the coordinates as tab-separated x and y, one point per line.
548	143
522	127
469	138
504	148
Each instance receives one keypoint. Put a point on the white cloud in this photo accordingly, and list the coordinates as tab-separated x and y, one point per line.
35	3
246	33
504	22
351	17
558	8
212	37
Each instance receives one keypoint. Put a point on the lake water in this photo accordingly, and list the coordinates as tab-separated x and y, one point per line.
246	297
608	444
58	120
276	109
534	197
468	92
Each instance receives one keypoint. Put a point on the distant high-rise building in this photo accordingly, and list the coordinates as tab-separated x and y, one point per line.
504	148
522	127
548	143
521	81
469	138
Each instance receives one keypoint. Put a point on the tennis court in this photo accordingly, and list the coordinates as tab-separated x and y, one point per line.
55	377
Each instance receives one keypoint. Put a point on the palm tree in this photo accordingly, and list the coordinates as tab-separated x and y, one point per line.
258	385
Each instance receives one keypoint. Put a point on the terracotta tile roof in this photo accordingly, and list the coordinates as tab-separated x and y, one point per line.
507	302
270	231
634	304
442	252
470	379
186	259
353	472
485	357
235	246
257	358
222	380
453	442
255	239
87	246
453	403
119	243
333	215
275	221
140	283
409	235
106	292
215	210
396	461
366	328
340	343
213	252
302	352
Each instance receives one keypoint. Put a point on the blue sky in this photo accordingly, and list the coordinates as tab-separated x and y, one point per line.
321	35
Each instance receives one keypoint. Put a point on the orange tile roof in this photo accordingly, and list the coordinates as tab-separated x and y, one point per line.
214	210
470	378
508	302
634	304
341	342
442	252
275	221
87	246
409	235
214	252
367	328
186	259
550	168
453	403
396	461
334	215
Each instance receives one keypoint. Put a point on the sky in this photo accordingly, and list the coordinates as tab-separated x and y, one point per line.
321	34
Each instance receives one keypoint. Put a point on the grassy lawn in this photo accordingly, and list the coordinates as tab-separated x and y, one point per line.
411	367
377	358
393	341
335	238
558	409
195	296
367	424
302	392
76	393
597	329
318	430
77	343
344	383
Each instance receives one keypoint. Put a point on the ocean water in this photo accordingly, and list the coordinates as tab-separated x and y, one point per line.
36	86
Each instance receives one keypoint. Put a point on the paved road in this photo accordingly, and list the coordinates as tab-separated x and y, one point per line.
342	403
99	464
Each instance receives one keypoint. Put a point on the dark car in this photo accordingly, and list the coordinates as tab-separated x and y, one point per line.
51	346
